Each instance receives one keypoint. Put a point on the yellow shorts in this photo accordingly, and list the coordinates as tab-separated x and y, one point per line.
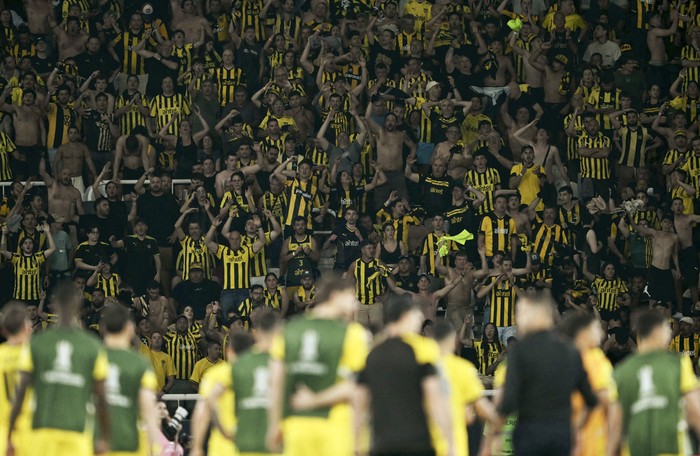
306	436
52	442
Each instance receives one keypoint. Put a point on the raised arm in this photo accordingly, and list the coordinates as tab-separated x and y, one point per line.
408	171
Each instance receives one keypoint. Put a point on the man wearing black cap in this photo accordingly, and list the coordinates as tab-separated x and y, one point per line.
142	256
404	276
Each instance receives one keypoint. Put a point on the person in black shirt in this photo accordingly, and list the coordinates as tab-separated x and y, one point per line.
382	51
437	187
160	211
403	386
543	406
347	239
196	291
404	276
142	258
159	65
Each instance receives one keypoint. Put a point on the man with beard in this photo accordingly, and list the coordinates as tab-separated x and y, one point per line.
635	142
347	239
94	313
197	291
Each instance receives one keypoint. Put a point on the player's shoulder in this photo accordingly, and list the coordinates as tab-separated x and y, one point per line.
426	351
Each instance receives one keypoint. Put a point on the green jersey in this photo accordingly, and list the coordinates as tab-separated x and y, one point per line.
64	363
313	348
250	387
651	386
127	373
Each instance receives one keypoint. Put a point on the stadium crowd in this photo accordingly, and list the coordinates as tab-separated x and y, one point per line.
204	164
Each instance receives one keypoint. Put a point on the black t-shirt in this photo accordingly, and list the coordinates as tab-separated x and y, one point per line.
157	71
408	282
394	375
348	245
139	255
437	193
248	60
197	295
390	57
107	226
160	213
92	255
440	124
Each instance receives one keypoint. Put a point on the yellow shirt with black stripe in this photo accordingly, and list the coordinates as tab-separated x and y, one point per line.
465	389
595	167
162	108
236	266
601	99
608	291
124	45
7	147
487	183
9	379
183	349
497	232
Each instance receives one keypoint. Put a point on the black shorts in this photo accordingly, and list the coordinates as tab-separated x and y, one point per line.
689	265
660	284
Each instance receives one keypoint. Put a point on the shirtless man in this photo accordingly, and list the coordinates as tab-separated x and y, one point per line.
459	297
100	87
521	122
553	73
37	12
303	117
655	38
73	156
231	163
132	150
679	124
29	132
687	256
664	250
64	200
453	152
389	153
533	75
428	299
71	41
185	18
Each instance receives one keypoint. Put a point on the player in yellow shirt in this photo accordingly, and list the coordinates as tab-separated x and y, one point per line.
465	388
586	333
217	382
318	353
67	368
203	365
17	328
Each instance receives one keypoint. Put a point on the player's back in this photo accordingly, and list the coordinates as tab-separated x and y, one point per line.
64	362
127	373
220	375
9	378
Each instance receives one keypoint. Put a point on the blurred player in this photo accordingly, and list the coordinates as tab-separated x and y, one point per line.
17	329
67	368
130	386
318	353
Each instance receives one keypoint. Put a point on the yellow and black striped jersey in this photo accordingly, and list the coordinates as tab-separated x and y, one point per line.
594	167
227	79
236	266
369	280
27	276
7	147
607	292
487	183
502	301
300	196
108	285
601	99
133	116
572	141
692	167
544	237
497	232
634	144
124	45
183	349
162	108
194	252
258	266
430	247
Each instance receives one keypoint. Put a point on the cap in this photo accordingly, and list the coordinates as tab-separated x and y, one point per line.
677	316
534	258
147	9
680	133
405	257
194	266
306	274
365	243
561	58
40	39
181	316
430	85
686	320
